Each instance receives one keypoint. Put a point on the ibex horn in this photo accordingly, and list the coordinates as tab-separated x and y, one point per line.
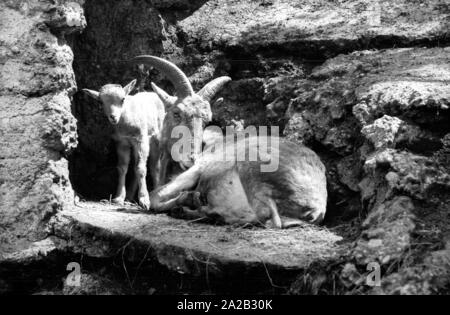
175	75
211	89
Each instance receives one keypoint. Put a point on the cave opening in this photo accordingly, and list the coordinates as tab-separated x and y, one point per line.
115	32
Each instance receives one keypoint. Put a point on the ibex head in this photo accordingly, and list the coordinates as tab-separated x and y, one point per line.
113	98
187	108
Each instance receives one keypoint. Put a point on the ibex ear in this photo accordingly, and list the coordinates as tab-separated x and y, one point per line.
130	87
92	93
165	98
218	101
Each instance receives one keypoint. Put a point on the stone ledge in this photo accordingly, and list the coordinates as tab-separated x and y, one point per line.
34	252
103	230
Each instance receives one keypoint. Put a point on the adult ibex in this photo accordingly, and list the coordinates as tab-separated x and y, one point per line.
240	192
189	109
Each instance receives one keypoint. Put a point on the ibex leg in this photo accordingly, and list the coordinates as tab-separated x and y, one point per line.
169	196
154	162
164	164
123	155
141	152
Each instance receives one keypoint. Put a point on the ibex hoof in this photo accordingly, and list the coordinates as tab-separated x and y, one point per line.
189	198
118	201
183	197
144	202
196	199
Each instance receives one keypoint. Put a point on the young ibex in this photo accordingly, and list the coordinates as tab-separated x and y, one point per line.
189	109
239	192
137	122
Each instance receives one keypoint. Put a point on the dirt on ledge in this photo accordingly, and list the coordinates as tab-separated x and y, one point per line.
102	230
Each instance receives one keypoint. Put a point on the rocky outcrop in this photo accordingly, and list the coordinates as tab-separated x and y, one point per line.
37	127
365	84
312	28
342	103
378	118
387	112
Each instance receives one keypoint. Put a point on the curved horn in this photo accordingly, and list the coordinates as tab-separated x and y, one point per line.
211	89
175	75
166	98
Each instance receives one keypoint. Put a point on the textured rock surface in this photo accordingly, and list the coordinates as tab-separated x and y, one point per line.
386	112
335	75
387	232
323	27
341	105
37	128
32	253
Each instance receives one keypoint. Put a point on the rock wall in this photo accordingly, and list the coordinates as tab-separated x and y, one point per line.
337	76
37	129
363	83
385	116
332	74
